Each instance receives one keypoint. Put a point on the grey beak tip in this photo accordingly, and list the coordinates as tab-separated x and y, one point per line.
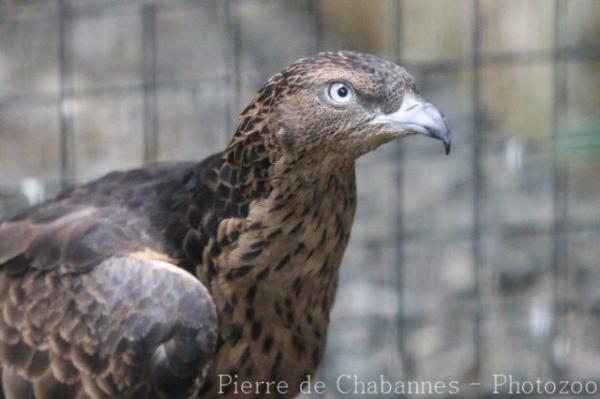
447	146
443	134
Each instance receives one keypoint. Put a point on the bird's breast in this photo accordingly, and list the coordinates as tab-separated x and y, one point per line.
277	284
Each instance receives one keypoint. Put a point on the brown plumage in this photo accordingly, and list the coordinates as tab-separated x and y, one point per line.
97	286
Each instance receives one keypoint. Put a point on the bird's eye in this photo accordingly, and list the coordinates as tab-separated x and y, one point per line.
340	93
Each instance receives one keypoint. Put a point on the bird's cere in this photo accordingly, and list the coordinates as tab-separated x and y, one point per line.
415	116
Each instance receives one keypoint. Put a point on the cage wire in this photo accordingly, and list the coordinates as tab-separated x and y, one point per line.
391	342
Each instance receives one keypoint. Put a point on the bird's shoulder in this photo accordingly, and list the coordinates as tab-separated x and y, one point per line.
120	214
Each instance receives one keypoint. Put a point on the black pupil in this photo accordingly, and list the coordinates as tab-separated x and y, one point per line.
342	91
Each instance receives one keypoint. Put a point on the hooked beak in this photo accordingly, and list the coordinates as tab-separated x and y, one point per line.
416	116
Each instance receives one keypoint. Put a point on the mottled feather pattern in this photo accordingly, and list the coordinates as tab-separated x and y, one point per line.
103	326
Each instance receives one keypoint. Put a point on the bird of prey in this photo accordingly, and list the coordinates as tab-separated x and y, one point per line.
158	282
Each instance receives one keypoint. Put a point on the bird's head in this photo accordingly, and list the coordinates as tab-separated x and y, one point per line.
344	102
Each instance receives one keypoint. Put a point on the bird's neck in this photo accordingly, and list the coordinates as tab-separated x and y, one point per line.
254	183
295	208
277	282
300	204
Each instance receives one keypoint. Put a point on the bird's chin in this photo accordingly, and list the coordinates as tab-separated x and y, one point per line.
376	138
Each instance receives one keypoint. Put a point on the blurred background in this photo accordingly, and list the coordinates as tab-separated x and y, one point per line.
484	262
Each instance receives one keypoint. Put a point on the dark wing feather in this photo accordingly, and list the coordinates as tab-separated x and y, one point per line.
91	308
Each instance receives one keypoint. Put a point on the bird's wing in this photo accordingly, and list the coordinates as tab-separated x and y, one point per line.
87	310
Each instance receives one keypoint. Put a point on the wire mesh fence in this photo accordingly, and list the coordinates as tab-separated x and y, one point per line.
459	268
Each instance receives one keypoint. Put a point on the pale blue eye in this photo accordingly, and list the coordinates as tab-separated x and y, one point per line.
340	93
